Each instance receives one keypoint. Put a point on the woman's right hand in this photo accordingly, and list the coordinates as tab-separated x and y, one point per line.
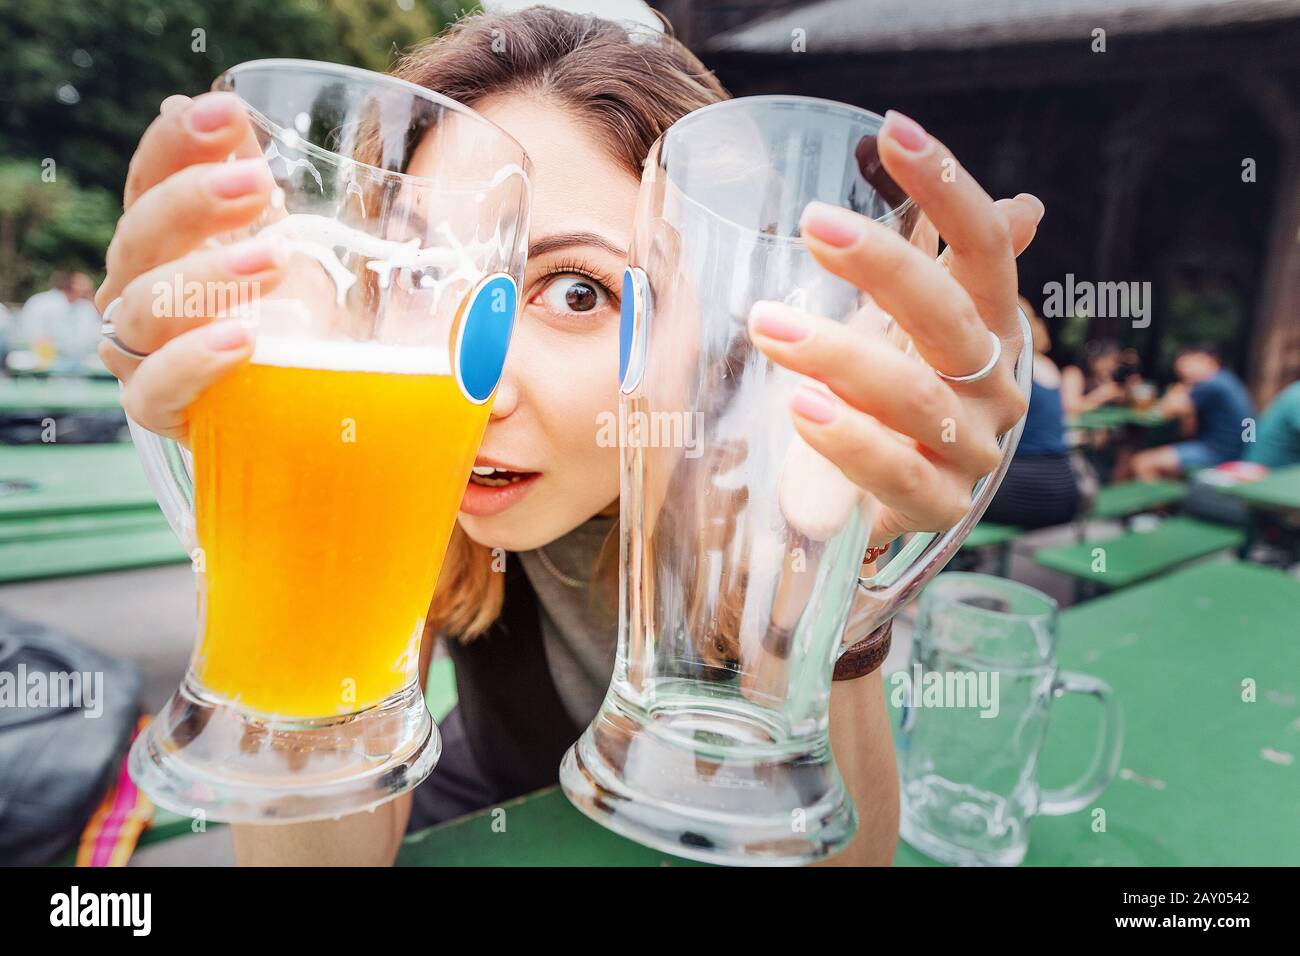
181	193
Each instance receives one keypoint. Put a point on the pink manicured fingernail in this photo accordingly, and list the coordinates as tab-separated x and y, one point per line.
228	335
778	321
813	406
1036	201
237	179
210	113
906	132
252	256
833	225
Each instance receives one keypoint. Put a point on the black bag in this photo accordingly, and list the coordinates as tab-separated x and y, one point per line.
58	757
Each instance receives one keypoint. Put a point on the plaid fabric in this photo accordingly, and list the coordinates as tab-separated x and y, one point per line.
110	836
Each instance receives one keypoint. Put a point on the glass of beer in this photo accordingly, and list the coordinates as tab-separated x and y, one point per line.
323	477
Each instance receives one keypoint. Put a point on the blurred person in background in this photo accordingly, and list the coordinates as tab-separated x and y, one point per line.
1277	439
1040	488
1098	382
1212	407
61	324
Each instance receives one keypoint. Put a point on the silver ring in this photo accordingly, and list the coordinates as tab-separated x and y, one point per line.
110	334
985	371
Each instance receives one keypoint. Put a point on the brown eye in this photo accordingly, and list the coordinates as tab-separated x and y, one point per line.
580	297
574	293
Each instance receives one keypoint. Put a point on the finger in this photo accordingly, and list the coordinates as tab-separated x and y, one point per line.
178	296
116	361
925	236
1023	213
873	376
875	458
180	213
923	298
980	239
164	385
206	129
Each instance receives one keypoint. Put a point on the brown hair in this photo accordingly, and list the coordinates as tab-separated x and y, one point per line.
628	84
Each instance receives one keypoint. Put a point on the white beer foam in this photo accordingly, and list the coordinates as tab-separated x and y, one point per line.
318	236
338	355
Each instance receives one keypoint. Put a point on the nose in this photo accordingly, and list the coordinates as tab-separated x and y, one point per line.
507	394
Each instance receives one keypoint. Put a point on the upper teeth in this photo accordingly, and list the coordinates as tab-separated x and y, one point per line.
486	470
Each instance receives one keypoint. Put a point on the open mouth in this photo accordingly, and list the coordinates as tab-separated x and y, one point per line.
491	490
488	477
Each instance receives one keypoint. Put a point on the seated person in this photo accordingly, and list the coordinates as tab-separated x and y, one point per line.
1212	407
1040	488
61	324
1098	383
1277	438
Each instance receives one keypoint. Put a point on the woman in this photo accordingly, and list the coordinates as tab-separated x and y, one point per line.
1040	487
586	100
1098	383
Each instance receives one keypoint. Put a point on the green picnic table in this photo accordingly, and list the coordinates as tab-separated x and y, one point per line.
998	537
1116	416
1205	774
1124	499
1279	491
37	395
1209	772
1274	504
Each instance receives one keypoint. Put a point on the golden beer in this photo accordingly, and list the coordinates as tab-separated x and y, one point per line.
327	478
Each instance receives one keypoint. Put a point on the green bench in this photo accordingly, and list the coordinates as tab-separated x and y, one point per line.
987	534
1136	556
78	509
1113	502
146	544
54	479
35	396
1127	499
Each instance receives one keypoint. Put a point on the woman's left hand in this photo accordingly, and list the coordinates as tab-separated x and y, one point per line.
918	443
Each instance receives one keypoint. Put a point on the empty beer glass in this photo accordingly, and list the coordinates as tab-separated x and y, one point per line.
981	682
741	547
326	474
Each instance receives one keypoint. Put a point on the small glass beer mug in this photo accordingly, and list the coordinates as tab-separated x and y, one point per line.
968	765
741	547
326	474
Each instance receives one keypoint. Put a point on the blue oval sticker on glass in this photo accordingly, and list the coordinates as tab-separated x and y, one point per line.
633	325
484	337
626	325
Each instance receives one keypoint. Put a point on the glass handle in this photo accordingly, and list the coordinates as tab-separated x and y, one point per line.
170	471
879	597
1105	758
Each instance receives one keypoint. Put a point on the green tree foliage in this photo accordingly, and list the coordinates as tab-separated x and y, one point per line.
47	222
1200	315
80	80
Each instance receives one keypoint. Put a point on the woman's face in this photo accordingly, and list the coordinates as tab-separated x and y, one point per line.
562	369
1105	365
